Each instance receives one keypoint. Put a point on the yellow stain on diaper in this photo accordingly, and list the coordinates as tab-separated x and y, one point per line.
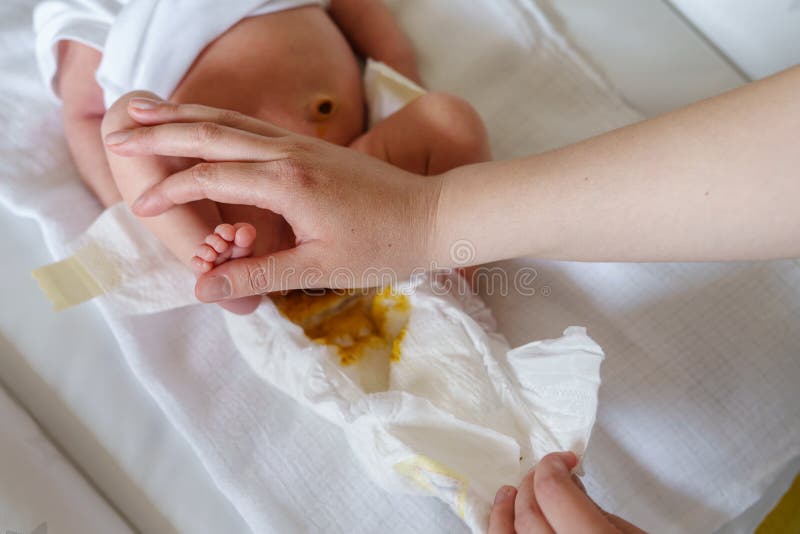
351	322
436	479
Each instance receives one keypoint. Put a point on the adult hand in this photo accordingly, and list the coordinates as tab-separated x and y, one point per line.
550	500
346	209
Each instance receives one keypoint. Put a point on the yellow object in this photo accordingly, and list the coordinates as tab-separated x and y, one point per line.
436	479
354	322
68	282
785	517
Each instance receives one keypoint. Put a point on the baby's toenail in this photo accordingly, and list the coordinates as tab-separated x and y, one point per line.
213	289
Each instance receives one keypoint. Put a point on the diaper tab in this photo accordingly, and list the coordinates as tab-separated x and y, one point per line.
118	260
67	283
387	91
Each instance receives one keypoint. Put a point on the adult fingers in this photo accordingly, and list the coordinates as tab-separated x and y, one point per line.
255	184
288	269
205	140
150	111
528	516
564	505
501	520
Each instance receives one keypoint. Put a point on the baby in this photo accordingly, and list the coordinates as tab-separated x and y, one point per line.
289	62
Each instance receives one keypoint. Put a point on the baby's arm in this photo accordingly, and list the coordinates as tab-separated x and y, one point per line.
82	113
373	32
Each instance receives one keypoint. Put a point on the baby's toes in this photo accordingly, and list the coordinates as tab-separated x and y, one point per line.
244	240
245	235
225	231
218	243
200	266
206	253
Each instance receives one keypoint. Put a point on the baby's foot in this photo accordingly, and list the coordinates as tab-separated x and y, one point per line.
229	241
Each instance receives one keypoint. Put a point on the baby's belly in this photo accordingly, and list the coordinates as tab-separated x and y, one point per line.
292	68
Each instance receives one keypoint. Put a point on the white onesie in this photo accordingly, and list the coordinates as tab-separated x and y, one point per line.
146	44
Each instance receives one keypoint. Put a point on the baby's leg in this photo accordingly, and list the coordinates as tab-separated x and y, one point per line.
82	112
433	134
182	228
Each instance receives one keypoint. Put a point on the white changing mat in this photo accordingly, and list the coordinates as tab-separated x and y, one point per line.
39	489
700	382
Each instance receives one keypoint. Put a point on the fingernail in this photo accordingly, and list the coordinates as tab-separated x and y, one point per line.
143	104
503	494
213	289
117	138
140	204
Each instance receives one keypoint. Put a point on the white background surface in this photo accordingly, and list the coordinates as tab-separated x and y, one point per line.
79	387
761	37
86	397
39	487
649	53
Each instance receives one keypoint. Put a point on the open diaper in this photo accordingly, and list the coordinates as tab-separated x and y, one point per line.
454	412
443	407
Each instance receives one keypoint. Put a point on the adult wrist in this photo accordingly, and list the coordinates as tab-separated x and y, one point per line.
450	242
493	211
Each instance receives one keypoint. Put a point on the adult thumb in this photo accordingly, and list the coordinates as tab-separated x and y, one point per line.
281	271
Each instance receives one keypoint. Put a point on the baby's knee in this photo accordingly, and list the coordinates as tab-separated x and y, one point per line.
117	117
456	123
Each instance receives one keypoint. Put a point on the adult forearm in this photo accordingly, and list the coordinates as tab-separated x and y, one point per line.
718	180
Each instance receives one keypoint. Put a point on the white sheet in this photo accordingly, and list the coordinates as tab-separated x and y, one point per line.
39	487
759	37
642	329
78	386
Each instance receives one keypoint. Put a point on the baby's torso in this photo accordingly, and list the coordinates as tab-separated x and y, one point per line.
292	68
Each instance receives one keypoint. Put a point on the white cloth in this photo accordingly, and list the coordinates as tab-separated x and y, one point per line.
146	44
39	489
699	404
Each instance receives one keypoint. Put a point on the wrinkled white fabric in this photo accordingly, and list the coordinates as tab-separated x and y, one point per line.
463	415
146	44
699	389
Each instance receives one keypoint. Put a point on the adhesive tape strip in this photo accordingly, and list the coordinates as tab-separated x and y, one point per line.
69	282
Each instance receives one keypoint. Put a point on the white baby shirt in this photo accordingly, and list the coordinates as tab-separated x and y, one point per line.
146	44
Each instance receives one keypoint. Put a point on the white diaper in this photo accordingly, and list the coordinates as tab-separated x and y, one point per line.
463	414
146	44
